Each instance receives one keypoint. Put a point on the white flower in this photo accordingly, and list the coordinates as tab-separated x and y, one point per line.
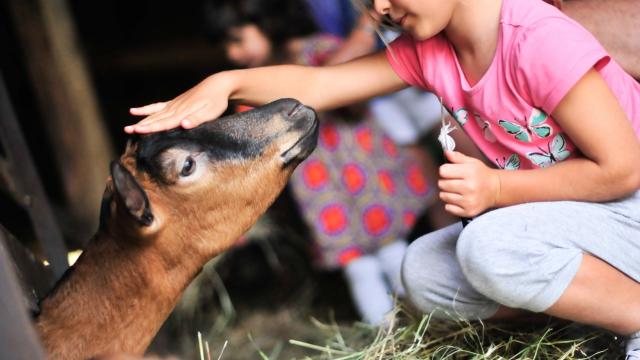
445	139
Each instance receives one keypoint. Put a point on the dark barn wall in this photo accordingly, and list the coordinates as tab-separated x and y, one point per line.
133	53
143	51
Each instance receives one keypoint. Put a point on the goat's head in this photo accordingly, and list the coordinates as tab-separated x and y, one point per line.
206	186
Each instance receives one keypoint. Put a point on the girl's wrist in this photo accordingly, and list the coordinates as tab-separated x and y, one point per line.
225	83
497	190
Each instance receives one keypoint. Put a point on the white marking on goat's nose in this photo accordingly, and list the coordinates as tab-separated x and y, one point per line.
277	124
295	110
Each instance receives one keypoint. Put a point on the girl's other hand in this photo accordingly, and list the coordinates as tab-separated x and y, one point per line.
206	101
467	186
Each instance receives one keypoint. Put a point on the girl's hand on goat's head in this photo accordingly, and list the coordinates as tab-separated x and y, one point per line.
205	101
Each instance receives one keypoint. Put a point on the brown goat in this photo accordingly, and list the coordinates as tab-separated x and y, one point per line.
174	201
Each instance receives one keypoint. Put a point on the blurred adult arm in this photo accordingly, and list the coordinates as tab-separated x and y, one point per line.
615	23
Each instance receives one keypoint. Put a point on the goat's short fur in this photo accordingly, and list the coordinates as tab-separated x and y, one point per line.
174	201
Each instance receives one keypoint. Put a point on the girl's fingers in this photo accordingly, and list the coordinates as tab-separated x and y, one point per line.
158	125
142	126
455	210
454	204
452	171
197	116
168	117
155	117
158	116
195	119
453	186
451	198
148	109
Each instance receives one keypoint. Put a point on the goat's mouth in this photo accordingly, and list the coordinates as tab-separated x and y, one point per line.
304	146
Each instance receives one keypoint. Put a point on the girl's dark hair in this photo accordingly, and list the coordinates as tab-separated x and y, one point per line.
279	20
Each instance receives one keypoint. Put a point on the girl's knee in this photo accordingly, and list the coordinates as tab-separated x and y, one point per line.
477	249
501	262
434	283
489	258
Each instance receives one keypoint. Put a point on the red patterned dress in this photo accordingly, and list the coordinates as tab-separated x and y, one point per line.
357	191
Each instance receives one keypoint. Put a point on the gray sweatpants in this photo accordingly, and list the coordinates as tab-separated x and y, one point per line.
521	256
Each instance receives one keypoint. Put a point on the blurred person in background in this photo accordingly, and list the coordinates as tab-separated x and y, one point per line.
410	117
358	192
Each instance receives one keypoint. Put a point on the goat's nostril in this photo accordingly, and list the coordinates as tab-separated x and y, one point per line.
295	109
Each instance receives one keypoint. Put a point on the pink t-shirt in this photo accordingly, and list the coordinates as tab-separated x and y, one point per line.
541	54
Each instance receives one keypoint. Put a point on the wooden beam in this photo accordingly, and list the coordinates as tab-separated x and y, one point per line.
67	101
18	338
23	184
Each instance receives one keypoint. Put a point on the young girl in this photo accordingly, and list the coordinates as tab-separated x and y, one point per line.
542	99
357	191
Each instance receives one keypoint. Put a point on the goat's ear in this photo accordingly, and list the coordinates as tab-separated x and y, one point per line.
131	193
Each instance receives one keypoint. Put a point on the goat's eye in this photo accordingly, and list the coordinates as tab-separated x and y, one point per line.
188	167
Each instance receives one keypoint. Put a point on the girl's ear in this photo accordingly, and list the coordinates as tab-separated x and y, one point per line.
131	194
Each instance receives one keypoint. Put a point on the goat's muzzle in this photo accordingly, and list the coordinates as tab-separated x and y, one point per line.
305	145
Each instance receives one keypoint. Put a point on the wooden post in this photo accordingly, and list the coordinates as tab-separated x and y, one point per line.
67	101
18	338
19	178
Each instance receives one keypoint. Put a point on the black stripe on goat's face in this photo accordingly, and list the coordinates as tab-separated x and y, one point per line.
285	124
216	178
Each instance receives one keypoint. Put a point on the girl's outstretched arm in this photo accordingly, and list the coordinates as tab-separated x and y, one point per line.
608	169
319	87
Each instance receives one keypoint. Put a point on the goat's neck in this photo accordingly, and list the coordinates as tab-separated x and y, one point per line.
124	292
